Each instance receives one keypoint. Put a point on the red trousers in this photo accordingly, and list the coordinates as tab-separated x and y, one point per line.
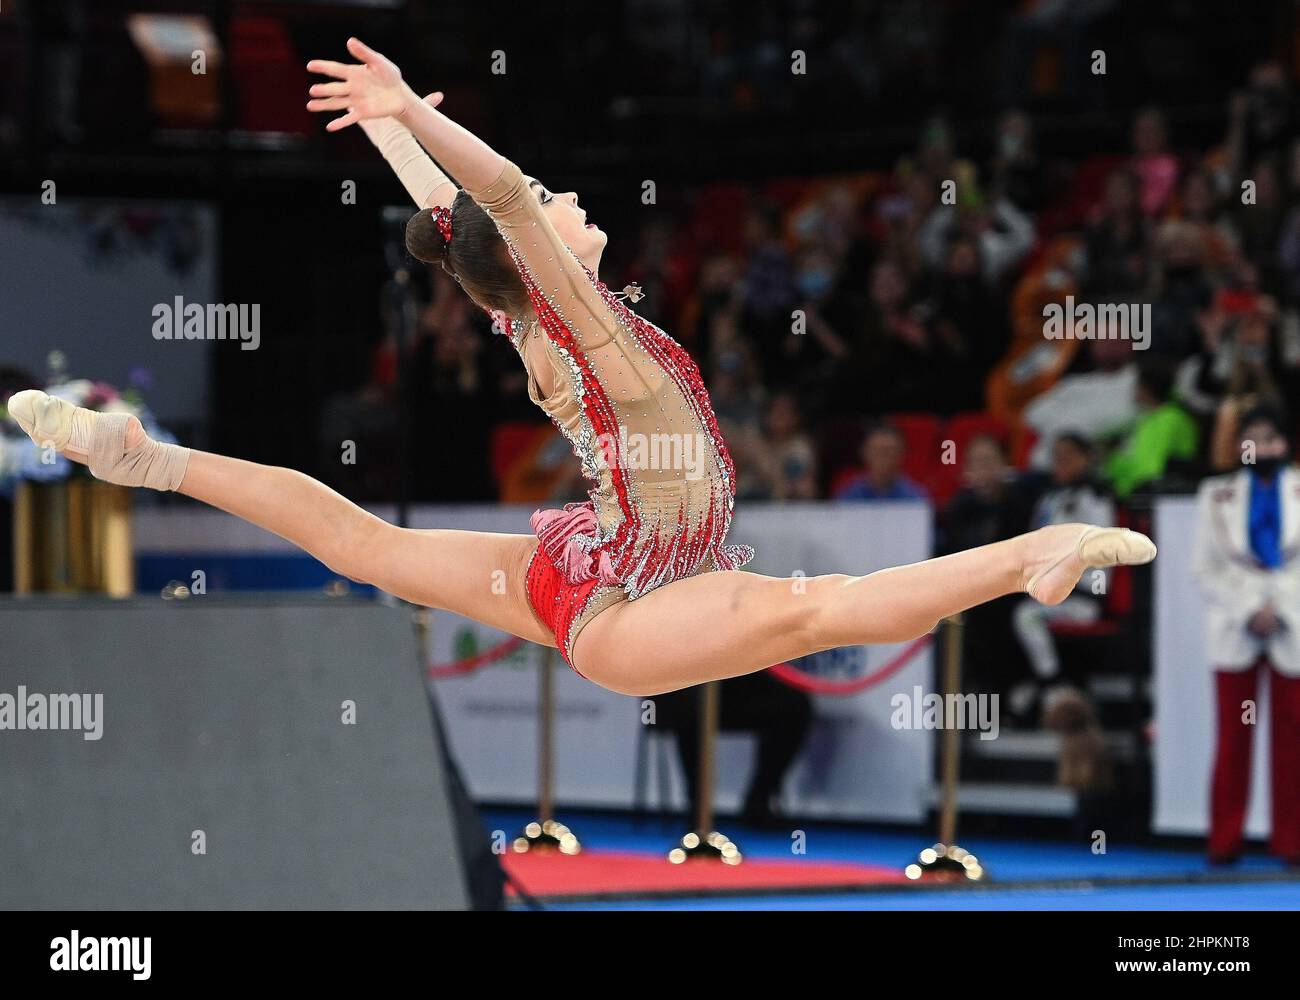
1231	782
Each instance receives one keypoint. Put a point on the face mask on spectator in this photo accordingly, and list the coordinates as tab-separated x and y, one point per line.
1267	466
815	282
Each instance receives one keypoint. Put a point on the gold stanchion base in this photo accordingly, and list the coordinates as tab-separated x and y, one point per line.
711	847
73	537
946	863
546	835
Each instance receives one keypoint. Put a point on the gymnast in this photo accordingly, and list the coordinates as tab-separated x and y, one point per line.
638	587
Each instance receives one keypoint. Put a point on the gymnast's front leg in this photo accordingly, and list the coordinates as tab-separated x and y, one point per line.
476	574
719	625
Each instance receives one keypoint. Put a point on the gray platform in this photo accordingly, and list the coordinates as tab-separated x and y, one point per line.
223	716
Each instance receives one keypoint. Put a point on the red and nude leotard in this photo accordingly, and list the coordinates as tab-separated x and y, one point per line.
631	402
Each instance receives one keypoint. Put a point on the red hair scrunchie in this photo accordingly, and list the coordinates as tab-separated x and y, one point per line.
442	219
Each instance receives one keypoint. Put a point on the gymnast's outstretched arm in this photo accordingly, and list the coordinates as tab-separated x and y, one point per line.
423	179
374	89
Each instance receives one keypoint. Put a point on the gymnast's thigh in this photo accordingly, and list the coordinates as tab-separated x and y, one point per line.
478	574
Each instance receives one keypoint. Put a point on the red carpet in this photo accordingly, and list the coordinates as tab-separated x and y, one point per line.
604	873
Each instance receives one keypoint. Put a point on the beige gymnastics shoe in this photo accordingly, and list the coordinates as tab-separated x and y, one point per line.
1093	546
100	440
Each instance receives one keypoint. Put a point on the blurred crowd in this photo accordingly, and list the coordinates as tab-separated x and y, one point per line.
819	310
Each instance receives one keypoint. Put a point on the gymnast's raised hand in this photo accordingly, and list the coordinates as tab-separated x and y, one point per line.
374	88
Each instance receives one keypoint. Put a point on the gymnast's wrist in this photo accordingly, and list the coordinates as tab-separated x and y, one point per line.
409	100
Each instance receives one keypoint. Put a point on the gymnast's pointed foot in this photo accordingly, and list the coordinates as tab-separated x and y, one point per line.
1056	557
114	445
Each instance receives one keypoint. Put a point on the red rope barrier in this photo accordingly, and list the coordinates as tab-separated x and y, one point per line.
789	674
504	648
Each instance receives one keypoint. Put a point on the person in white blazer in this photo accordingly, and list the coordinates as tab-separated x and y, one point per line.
1247	560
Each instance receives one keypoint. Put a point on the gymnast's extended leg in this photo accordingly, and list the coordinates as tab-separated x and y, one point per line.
476	574
721	625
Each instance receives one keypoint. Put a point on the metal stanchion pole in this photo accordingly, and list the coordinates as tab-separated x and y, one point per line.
420	617
545	740
704	841
545	831
945	861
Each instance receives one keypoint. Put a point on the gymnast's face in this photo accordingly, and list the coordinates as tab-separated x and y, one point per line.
570	221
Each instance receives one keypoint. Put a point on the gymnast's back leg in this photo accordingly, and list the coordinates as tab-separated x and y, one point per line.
480	575
719	625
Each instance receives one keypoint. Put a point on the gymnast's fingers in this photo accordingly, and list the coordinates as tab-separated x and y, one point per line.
329	104
351	118
365	53
327	67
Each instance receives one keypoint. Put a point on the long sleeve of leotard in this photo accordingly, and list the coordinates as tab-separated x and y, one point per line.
418	173
545	261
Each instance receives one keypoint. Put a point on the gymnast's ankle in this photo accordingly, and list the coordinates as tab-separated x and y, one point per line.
114	445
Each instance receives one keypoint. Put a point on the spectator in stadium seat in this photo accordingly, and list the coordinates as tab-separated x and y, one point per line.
809	356
1248	564
883	451
1163	432
782	462
1261	118
1260	224
1098	404
1005	235
767	287
446	361
968	319
1016	170
1182	288
992	504
1155	166
1200	205
911	360
1117	242
1241	358
1073	496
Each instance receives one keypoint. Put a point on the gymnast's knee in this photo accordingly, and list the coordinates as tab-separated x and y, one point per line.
358	554
814	617
825	622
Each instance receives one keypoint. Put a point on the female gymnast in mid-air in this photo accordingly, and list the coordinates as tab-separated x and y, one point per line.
638	587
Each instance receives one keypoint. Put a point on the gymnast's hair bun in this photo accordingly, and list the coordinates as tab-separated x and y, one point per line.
424	240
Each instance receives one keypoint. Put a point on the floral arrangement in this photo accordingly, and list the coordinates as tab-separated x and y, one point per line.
22	459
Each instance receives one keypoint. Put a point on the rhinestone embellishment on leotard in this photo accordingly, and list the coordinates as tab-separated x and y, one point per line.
647	548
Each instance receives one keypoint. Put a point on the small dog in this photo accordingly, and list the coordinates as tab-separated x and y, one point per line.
1085	763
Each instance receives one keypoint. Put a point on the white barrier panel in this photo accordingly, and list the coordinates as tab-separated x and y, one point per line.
1184	694
855	765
